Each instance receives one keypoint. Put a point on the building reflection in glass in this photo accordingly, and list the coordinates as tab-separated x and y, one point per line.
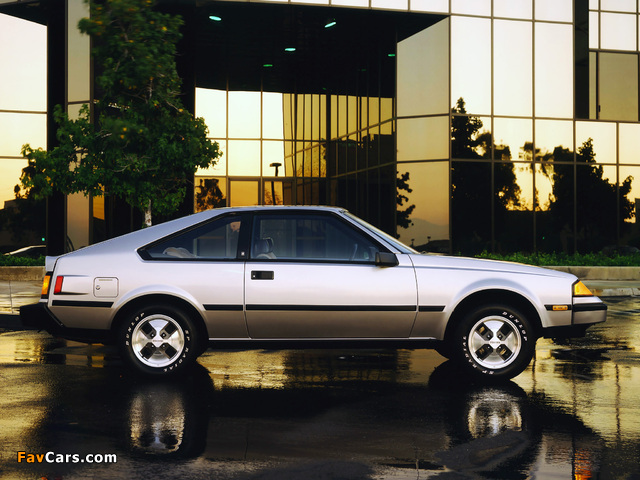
354	110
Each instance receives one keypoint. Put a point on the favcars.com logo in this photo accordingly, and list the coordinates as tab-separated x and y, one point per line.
52	457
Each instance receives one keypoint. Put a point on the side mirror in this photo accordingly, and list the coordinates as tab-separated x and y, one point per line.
385	259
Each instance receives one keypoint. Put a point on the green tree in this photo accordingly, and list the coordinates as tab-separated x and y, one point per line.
139	143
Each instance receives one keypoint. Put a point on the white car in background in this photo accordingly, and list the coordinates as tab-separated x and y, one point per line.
301	276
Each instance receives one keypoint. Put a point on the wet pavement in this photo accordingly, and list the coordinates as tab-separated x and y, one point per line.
323	414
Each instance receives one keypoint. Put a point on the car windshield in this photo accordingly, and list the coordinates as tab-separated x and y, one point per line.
402	248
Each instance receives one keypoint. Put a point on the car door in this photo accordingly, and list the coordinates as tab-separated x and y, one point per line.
313	275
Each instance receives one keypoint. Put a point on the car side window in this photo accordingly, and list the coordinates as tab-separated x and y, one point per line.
309	237
216	240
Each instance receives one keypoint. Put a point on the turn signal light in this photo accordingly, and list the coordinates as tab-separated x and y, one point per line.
581	290
45	285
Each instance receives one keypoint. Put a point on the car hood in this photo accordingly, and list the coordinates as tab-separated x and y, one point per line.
477	264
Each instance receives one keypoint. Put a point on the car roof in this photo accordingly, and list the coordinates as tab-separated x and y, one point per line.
142	237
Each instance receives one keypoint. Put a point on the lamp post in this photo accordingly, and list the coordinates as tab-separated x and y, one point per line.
273	190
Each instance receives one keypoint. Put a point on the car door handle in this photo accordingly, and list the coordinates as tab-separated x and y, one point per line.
261	275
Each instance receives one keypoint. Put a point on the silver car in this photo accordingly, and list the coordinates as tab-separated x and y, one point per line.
301	276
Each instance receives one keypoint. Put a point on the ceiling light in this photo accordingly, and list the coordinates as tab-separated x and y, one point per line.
290	49
331	23
215	18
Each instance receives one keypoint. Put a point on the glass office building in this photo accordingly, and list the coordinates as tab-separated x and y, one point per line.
458	125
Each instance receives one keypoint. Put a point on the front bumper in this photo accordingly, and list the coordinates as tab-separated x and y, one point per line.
589	313
583	316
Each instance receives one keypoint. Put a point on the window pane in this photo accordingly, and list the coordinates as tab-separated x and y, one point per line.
244	157
215	240
391	4
618	86
423	216
556	217
220	168
554	70
351	3
471	67
243	193
629	208
10	171
593	85
20	128
597	215
552	136
555	10
278	193
273	159
309	237
618	31
210	192
79	49
513	139
595	141
212	106
470	137
471	7
429	6
513	201
512	8
618	5
423	138
471	207
244	114
23	65
512	87
422	75
629	144
544	187
594	30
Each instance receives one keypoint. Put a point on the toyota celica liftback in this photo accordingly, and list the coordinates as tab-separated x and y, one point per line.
301	276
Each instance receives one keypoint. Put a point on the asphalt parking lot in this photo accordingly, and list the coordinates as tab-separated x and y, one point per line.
325	414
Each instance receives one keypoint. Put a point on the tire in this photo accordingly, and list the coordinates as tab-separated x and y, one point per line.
158	340
494	342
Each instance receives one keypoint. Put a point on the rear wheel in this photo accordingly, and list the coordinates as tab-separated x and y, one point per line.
495	341
158	340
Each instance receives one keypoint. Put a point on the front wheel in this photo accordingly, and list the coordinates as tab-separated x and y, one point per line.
494	341
158	340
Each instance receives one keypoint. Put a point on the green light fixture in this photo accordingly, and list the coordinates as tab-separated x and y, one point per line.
330	23
215	18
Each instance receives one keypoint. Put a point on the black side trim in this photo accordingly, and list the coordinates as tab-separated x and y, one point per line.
334	308
223	308
73	303
431	308
589	307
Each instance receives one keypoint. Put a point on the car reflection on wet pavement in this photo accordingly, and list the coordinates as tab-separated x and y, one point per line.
325	414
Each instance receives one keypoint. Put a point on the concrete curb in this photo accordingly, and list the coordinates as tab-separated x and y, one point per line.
602	273
21	274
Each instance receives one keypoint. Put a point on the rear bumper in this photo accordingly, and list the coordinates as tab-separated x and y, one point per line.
37	316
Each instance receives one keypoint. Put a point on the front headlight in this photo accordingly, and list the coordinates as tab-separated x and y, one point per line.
581	290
